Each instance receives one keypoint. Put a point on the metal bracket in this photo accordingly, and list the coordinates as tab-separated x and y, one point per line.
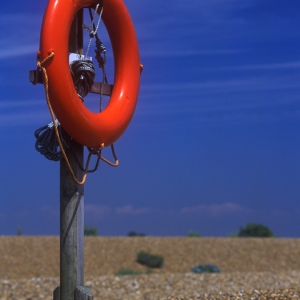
36	76
101	88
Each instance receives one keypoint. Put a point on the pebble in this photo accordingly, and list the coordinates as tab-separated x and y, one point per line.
251	269
235	285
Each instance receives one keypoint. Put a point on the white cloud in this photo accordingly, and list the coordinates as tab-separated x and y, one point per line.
258	83
147	51
226	208
21	34
176	28
22	214
129	210
24	112
50	211
17	50
23	103
218	98
24	118
258	67
96	210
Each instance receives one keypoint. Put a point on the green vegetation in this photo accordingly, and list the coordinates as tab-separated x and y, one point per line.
133	233
150	260
232	235
19	231
124	271
149	271
206	269
255	230
194	234
90	231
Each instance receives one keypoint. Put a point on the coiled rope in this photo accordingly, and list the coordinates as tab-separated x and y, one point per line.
83	75
46	141
92	151
41	65
49	141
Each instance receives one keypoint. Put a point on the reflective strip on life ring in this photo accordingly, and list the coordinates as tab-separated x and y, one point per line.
86	127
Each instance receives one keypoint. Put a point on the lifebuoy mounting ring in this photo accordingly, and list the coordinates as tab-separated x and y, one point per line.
88	128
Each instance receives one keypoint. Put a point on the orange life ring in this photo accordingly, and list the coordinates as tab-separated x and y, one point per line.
86	127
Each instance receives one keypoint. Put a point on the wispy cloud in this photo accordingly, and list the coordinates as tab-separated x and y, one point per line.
216	210
17	50
24	118
96	210
50	211
24	112
130	210
257	67
216	98
21	34
153	51
184	29
250	83
22	214
22	104
102	211
195	25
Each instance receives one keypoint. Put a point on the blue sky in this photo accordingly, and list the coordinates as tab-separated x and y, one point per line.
214	142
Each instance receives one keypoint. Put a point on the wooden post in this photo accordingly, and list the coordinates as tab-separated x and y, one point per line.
72	207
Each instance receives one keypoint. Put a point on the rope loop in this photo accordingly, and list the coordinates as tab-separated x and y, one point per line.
94	28
43	62
83	75
87	81
55	126
97	151
46	141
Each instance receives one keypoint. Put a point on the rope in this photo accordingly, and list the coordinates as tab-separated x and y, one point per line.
83	75
46	141
95	151
93	30
100	49
92	151
98	153
41	65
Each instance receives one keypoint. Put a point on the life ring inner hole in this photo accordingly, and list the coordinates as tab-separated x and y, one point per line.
92	101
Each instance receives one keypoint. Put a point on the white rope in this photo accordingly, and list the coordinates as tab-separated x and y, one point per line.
91	31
